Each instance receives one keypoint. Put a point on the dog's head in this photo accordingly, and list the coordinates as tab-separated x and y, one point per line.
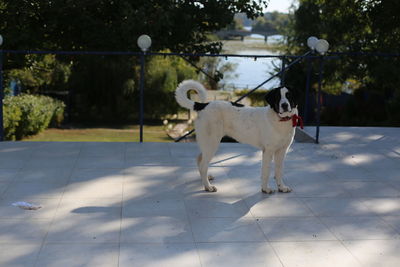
283	100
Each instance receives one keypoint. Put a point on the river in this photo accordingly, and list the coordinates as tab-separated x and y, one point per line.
250	72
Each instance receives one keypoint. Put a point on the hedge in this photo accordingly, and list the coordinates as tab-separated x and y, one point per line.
257	98
26	115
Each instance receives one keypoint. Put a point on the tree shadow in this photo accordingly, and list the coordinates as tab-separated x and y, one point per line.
164	203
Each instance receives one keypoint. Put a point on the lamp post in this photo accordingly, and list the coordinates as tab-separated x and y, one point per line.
1	92
144	42
322	47
311	42
309	69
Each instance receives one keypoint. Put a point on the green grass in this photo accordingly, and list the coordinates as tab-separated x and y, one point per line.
151	133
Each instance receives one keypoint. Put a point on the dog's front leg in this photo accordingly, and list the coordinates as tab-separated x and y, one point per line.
278	159
266	161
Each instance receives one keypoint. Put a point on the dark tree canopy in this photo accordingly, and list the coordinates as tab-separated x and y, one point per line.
106	87
354	26
179	25
349	25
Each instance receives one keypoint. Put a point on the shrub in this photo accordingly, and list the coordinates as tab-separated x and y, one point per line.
393	109
162	77
11	118
26	115
257	98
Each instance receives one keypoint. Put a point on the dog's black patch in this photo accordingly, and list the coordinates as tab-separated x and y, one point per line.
199	106
237	105
273	97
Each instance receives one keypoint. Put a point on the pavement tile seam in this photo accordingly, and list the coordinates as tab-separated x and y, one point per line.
13	181
267	240
374	211
354	239
121	211
58	206
192	233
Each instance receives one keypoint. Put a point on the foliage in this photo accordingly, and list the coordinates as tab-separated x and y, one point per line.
11	117
357	111
26	115
163	74
351	26
236	24
115	25
242	19
257	98
102	88
216	69
41	72
106	88
271	22
393	109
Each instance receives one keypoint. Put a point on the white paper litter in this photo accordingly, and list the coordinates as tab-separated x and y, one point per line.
26	206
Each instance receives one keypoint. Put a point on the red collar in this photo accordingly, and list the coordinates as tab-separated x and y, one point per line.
285	118
296	120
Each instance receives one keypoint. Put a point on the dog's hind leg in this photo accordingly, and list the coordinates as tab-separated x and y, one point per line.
199	157
207	152
278	159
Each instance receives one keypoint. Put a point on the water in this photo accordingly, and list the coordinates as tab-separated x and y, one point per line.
251	72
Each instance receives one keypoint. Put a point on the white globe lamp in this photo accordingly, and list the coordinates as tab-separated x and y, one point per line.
144	42
312	41
322	46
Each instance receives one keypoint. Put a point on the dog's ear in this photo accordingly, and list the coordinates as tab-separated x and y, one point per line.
272	96
294	92
294	95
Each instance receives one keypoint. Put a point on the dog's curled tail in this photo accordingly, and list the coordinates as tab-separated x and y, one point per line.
182	90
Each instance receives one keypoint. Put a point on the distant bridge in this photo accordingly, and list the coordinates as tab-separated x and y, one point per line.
229	34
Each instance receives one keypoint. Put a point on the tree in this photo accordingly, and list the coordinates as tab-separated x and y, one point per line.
262	24
178	25
216	69
41	72
271	22
103	85
352	26
163	76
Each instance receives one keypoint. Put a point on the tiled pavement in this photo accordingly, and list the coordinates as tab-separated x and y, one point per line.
130	204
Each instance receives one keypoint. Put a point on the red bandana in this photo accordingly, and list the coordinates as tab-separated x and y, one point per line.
296	120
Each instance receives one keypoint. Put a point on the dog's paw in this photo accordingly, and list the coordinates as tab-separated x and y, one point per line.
211	189
267	190
210	177
284	189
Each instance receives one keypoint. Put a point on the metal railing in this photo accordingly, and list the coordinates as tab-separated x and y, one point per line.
309	56
142	56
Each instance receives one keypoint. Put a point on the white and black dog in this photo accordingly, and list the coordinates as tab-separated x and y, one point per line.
270	128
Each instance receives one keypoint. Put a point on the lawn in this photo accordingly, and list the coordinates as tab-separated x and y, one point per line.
151	133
